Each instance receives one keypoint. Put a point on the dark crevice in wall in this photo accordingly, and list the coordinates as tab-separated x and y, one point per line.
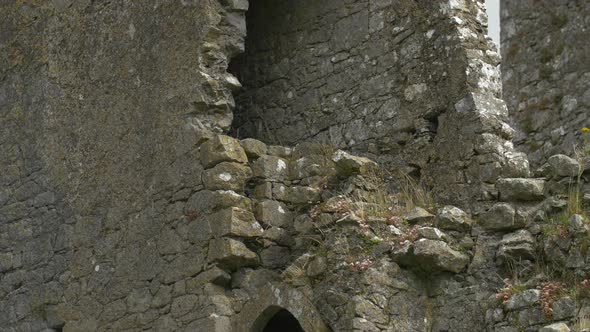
283	321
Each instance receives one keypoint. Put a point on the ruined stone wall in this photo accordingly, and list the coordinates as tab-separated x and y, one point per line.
391	79
122	207
359	73
101	107
546	74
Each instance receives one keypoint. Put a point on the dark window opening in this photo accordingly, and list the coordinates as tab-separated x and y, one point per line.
283	321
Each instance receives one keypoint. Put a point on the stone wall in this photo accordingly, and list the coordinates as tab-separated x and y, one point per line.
123	206
546	74
101	106
406	83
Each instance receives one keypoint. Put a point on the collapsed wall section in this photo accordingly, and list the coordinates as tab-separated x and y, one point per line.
379	78
546	73
143	230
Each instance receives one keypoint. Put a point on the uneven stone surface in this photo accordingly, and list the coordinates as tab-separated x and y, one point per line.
222	148
557	327
520	189
432	255
347	164
545	74
501	216
453	218
127	203
517	245
562	165
418	215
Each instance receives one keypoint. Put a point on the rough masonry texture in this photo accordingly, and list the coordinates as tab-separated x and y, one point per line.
546	74
397	80
131	200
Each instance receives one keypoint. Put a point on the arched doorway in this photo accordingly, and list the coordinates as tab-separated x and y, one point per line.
278	308
277	319
283	321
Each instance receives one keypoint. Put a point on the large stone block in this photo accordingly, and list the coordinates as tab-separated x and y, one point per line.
296	194
235	222
222	148
227	176
431	256
274	257
270	168
502	216
310	165
562	165
231	254
520	189
517	245
253	147
453	219
273	213
347	164
206	200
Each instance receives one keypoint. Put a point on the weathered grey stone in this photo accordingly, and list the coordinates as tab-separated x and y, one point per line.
524	299
227	176
273	213
311	166
562	165
231	254
431	233
205	201
139	300
270	168
556	327
453	218
278	235
419	215
279	151
577	225
564	308
501	216
275	257
520	189
253	147
263	190
368	310
235	222
5	262
253	278
296	194
347	164
550	113
517	245
213	275
432	255
238	5
222	148
317	266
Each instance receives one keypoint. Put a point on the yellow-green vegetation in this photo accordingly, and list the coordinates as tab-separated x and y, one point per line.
582	323
415	194
558	224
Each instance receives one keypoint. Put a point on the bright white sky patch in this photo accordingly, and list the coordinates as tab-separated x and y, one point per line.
493	9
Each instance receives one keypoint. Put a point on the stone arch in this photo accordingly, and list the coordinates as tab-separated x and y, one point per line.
275	318
273	300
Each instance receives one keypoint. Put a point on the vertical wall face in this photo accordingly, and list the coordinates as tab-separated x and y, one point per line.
377	77
99	102
112	219
546	73
359	74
